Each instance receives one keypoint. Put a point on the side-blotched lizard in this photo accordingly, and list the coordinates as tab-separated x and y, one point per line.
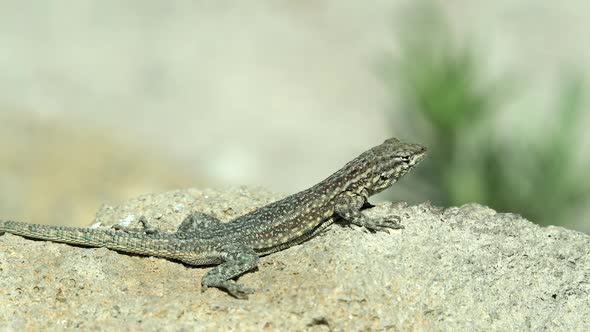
237	245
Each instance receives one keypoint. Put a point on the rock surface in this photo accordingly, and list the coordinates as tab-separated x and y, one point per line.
466	268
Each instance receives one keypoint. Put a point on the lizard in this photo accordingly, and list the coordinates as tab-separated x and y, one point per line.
235	246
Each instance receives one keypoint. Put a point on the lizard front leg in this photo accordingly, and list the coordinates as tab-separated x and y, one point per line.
237	260
348	206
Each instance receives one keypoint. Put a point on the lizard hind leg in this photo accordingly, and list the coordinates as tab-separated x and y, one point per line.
238	259
196	223
146	228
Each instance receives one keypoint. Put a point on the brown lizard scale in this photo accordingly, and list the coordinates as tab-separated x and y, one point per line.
236	245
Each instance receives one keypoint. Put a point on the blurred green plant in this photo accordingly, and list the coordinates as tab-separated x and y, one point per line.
446	101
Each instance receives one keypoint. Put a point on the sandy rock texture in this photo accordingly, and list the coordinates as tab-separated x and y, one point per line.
461	269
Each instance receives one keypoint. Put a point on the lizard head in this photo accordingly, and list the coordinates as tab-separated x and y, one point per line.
388	162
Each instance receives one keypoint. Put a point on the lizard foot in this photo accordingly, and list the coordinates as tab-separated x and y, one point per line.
236	290
375	225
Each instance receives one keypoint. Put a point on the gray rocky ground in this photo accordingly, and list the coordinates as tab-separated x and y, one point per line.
456	269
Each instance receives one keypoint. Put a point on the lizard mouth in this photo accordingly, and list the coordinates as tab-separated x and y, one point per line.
419	156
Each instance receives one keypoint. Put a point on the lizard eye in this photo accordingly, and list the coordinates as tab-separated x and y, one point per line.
383	176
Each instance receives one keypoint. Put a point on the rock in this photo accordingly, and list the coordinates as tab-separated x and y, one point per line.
461	268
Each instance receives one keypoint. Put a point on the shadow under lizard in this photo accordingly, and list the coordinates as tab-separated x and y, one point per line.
236	245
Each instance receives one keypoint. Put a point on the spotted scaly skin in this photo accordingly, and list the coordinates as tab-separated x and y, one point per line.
236	245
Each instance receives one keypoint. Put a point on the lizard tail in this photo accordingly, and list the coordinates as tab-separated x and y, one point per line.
133	243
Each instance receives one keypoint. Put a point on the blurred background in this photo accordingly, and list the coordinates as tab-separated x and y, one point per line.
101	101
